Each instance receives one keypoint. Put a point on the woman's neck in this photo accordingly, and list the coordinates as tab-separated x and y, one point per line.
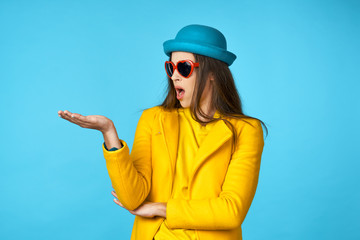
208	110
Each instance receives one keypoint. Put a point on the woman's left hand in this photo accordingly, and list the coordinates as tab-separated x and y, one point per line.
147	209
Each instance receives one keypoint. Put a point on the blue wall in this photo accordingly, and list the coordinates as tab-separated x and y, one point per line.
297	70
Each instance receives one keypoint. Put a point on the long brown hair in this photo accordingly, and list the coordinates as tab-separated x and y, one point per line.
225	97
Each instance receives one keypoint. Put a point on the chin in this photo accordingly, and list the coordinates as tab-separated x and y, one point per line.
184	105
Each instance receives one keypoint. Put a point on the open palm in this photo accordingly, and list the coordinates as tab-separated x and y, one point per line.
97	122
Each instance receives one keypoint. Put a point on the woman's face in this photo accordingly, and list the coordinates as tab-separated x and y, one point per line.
188	84
180	82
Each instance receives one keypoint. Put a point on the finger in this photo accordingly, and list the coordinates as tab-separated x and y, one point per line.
67	113
114	194
69	118
70	114
64	115
74	118
78	116
61	113
118	203
79	119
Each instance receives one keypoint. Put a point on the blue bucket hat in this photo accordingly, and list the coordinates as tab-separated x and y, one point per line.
201	40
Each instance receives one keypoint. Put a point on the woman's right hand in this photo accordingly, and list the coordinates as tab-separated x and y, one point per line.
97	122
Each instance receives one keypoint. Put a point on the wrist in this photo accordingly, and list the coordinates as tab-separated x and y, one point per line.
111	137
161	209
108	128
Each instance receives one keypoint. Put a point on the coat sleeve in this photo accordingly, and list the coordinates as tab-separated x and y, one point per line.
130	174
228	210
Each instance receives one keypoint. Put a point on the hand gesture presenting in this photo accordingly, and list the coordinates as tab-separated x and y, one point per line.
97	122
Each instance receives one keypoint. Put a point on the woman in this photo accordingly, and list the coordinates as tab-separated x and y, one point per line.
194	166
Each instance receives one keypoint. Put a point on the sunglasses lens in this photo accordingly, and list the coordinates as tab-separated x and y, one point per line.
169	69
184	68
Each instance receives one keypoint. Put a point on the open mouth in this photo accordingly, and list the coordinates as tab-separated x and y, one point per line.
179	93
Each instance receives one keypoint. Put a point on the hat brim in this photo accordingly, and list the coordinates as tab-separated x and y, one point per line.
206	50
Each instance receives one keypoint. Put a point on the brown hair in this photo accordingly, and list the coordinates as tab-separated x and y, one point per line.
225	97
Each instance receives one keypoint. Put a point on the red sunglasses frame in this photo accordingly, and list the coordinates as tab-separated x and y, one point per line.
192	64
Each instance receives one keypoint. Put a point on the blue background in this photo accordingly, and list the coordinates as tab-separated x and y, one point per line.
297	70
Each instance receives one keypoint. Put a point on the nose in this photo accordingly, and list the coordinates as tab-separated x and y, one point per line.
176	76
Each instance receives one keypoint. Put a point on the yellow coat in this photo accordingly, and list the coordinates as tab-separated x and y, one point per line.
221	187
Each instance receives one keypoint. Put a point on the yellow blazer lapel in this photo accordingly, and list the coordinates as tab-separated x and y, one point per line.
169	122
170	127
219	134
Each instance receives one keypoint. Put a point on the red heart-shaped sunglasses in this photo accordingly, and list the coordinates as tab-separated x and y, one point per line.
184	67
